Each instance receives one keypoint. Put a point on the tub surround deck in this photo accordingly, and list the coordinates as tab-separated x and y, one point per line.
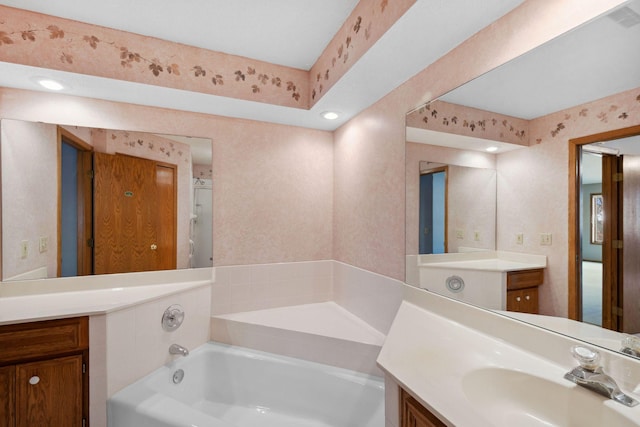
321	332
88	296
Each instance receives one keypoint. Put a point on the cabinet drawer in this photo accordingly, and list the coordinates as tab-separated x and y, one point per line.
524	279
40	339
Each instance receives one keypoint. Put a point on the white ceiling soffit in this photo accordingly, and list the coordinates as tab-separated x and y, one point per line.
462	142
598	59
425	33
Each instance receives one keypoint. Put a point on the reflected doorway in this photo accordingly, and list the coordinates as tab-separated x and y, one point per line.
433	209
604	236
591	219
75	201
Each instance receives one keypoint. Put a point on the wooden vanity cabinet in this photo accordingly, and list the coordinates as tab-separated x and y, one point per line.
522	290
43	373
413	414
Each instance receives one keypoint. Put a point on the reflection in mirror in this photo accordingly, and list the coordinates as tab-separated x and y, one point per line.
79	201
461	213
584	82
609	185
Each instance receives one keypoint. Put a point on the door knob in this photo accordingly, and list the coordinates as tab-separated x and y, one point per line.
154	246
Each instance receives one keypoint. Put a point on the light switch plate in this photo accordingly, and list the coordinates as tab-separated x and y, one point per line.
545	239
43	244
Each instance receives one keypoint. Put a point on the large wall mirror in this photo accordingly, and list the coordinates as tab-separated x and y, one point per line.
80	201
517	120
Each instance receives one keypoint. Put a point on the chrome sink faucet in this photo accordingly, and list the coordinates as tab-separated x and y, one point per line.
590	375
178	349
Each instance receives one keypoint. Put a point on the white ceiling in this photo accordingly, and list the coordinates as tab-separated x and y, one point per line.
598	59
289	32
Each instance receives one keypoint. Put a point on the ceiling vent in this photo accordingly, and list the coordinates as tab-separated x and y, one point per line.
625	16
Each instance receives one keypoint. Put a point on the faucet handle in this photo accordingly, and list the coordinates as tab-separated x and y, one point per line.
631	344
586	357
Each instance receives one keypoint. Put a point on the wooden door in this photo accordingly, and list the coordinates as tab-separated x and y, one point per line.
49	393
134	214
7	396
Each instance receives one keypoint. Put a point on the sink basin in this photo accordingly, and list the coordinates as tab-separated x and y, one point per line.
514	398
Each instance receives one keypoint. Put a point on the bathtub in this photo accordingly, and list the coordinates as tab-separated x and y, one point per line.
227	386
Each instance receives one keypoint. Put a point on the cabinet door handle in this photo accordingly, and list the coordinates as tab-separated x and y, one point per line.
518	299
154	246
34	380
527	297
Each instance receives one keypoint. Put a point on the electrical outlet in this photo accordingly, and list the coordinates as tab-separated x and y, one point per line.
459	234
44	244
520	238
545	239
476	236
24	249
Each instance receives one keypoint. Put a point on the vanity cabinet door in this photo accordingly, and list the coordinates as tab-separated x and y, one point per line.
43	376
523	300
49	393
7	396
415	415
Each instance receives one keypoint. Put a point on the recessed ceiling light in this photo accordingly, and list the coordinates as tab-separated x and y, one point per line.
50	84
492	149
330	115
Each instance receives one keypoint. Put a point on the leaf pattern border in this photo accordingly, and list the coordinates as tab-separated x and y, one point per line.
155	66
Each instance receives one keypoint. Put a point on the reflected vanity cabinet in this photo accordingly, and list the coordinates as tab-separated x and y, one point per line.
43	373
522	290
413	414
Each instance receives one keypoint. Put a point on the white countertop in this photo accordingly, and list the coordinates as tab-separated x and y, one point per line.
91	295
485	261
436	346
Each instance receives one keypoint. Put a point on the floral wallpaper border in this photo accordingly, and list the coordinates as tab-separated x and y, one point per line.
446	117
613	112
39	40
369	20
46	41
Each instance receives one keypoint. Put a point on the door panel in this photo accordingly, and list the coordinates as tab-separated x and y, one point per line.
134	207
49	393
7	396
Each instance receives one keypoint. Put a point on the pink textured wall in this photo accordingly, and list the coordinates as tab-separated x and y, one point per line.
28	195
273	193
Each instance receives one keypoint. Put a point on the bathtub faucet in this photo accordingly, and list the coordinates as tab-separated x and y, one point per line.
178	349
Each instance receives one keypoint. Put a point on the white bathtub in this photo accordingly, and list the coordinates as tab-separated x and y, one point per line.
236	387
